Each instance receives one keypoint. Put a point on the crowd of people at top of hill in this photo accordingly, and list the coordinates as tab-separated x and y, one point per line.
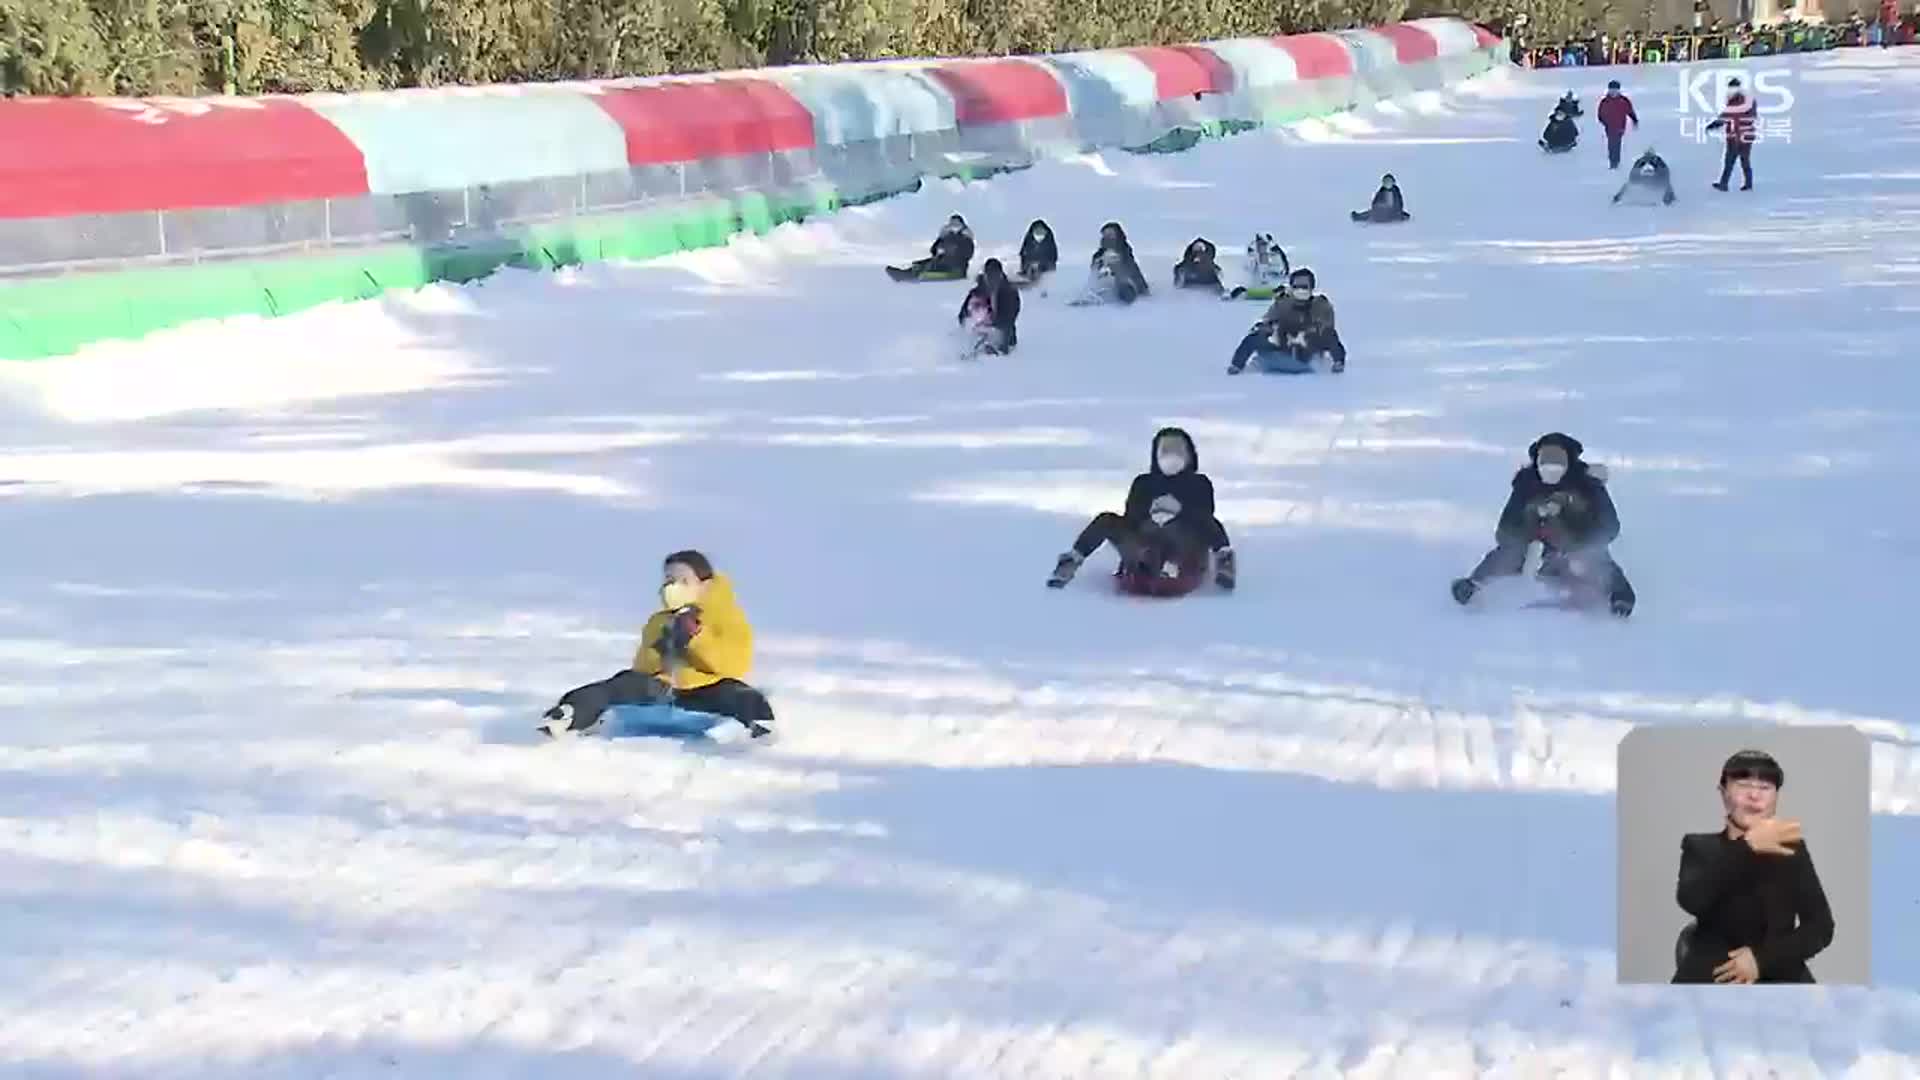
1707	38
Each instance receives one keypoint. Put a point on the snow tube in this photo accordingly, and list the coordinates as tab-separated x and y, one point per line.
1141	581
638	721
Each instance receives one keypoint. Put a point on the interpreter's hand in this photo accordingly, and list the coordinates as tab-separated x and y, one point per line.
1771	836
1740	967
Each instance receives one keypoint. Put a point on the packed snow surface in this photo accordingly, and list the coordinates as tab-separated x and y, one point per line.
283	599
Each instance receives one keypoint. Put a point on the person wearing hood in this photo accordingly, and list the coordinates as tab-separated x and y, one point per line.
1569	104
1616	110
1002	302
1039	253
1388	204
1172	498
1115	256
695	652
1197	268
1561	134
1738	120
1560	501
1649	171
1299	318
947	258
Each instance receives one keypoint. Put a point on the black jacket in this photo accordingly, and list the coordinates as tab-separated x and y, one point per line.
1586	515
952	250
1561	131
1198	268
1004	302
1188	493
1040	256
1388	198
1133	283
1772	904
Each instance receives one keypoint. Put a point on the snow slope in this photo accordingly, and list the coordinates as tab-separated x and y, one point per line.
280	600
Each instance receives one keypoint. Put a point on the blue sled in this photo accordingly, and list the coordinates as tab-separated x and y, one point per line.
1282	363
656	721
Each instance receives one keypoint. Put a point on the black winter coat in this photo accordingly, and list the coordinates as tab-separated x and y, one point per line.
1004	302
1772	904
1189	493
1586	514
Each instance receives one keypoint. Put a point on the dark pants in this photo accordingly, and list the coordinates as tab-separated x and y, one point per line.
1318	341
1613	147
1134	542
1741	152
1510	557
728	697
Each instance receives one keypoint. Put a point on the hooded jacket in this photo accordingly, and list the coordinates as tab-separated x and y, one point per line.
1129	270
1003	302
1040	256
1187	493
721	649
1561	131
1199	267
952	250
1587	516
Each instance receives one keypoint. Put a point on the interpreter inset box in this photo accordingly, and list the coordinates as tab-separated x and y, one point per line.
1744	855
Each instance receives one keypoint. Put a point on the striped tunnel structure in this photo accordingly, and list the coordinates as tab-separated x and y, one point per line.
119	217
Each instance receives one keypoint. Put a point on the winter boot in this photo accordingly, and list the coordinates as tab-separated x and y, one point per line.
1463	589
559	720
1223	568
1064	570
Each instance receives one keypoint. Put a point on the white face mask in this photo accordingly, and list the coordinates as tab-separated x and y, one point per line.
1172	462
1550	473
1038	234
677	594
1301	293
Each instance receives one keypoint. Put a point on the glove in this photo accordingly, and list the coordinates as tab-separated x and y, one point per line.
1233	369
679	631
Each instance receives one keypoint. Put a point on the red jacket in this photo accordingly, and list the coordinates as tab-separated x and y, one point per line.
1614	112
1738	118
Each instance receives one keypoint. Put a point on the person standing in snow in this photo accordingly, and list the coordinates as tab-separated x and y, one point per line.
1615	112
1738	120
1759	910
1002	302
1562	503
1172	501
695	652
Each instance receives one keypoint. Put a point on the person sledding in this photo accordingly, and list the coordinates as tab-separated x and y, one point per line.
1561	134
1266	269
1560	502
1115	273
1168	521
948	258
1198	268
991	310
1039	254
1569	103
694	652
1649	173
1388	204
1297	328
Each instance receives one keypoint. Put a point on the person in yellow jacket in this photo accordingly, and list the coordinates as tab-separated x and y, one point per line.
695	651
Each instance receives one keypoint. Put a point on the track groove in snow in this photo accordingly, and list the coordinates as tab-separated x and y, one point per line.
282	598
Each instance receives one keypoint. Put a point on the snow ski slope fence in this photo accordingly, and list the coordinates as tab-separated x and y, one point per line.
119	217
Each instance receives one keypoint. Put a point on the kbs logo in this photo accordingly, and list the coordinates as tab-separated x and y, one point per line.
1706	90
1704	93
